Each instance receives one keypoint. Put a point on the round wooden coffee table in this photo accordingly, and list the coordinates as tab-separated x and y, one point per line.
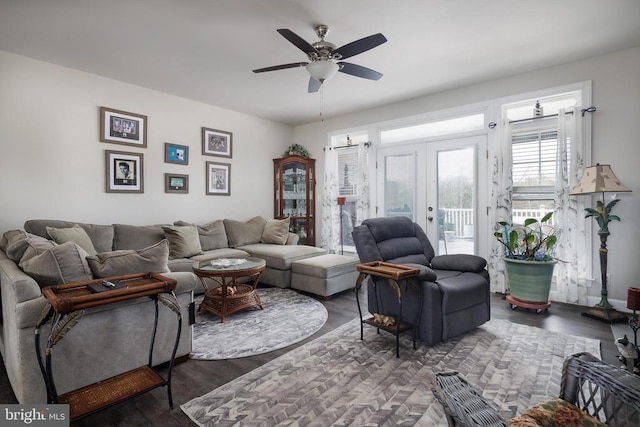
228	296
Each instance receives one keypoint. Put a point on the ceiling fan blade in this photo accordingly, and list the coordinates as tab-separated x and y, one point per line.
359	71
298	41
359	46
314	85
281	67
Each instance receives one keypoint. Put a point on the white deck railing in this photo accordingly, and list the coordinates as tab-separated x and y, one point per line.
462	219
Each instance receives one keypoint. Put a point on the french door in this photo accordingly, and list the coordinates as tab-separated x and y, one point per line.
440	185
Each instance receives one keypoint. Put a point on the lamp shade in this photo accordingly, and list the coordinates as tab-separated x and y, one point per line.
322	70
598	179
633	299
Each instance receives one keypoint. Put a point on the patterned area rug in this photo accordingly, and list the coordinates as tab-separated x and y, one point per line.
339	380
288	317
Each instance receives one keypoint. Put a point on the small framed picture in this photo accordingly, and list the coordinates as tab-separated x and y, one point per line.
124	172
174	153
175	183
216	142
121	127
218	179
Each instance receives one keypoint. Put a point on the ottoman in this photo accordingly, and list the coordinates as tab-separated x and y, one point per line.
324	275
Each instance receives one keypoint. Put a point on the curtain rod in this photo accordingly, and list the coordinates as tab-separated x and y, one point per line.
366	144
583	111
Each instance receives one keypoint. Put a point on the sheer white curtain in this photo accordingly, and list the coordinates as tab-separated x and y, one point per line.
569	219
362	190
501	192
330	234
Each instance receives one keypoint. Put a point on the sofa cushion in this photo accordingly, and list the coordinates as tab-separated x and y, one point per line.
35	246
462	291
280	257
75	234
16	244
150	259
212	234
183	241
4	240
276	231
65	263
136	236
244	233
101	235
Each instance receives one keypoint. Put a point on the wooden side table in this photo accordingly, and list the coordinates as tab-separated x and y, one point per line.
66	307
399	278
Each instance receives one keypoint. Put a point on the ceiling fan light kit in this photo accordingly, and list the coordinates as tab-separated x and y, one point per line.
325	58
322	70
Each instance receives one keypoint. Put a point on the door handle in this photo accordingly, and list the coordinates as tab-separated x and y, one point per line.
430	218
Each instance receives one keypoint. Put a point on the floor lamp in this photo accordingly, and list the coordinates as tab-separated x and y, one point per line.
601	179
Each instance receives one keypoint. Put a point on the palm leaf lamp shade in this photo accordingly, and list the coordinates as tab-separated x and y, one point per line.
601	179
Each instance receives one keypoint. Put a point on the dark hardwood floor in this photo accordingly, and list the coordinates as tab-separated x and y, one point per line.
194	378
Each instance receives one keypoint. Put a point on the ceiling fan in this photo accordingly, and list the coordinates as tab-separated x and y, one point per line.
325	59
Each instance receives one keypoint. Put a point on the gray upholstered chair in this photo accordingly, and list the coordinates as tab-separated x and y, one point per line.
455	288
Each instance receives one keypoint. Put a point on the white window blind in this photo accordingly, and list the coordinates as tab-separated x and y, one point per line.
534	160
347	171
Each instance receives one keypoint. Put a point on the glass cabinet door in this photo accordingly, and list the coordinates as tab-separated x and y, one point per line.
294	195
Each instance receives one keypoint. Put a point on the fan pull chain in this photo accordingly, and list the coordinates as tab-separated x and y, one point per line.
321	102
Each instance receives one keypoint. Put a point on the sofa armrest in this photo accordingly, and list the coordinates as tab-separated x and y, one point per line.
13	280
459	262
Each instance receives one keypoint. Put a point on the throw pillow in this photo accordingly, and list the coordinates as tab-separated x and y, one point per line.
65	263
555	412
75	234
276	231
184	241
244	233
212	235
151	259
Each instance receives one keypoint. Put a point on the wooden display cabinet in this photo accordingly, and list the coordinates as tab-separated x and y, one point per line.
295	195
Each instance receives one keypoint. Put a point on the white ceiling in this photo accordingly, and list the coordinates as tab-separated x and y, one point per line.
205	49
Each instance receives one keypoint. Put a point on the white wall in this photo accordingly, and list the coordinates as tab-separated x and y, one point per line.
616	140
52	161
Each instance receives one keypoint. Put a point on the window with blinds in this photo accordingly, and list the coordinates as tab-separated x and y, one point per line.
347	171
534	160
534	165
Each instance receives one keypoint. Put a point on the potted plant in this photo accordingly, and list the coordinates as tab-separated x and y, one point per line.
529	260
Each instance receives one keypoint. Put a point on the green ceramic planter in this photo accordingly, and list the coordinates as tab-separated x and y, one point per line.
529	281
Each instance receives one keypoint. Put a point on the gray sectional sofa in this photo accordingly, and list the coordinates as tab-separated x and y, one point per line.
105	341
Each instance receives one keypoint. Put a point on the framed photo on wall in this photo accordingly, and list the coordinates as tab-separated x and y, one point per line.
124	173
176	183
121	127
217	142
218	179
174	153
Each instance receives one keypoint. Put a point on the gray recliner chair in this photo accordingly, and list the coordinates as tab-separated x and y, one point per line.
455	288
